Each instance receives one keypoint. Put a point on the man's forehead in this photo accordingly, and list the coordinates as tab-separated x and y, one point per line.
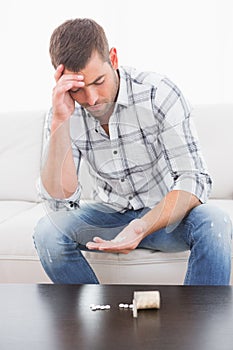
89	75
93	69
71	72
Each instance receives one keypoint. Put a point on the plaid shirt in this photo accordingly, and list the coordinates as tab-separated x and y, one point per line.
152	147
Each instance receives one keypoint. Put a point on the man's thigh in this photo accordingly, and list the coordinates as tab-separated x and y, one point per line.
181	235
100	220
169	239
90	220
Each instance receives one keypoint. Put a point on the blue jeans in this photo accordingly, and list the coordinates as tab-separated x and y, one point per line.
207	232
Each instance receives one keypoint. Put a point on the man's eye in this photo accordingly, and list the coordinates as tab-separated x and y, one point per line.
74	91
99	82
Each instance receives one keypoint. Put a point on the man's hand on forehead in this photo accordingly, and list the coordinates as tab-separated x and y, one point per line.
71	81
67	82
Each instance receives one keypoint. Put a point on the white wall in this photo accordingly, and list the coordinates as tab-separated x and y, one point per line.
191	41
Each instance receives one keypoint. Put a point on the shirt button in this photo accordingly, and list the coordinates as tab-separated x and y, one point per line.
130	197
122	180
115	152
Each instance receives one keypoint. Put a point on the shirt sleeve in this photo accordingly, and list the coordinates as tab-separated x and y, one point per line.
179	142
57	203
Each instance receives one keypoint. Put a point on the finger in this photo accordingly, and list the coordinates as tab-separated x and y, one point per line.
101	244
58	72
116	251
112	246
71	83
65	85
109	248
59	75
62	88
72	77
92	246
98	240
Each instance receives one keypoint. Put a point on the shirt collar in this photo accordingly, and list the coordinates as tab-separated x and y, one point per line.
122	98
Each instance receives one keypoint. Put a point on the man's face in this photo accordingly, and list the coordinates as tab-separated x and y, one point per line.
99	93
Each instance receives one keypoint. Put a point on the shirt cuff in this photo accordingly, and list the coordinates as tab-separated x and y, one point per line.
197	184
56	204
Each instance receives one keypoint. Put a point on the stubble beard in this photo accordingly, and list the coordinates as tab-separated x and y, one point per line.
107	108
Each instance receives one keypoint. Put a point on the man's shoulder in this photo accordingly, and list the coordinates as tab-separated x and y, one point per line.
141	77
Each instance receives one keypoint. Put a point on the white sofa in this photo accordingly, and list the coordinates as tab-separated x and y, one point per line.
21	208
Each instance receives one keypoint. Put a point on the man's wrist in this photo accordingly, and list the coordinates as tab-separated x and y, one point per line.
57	123
140	225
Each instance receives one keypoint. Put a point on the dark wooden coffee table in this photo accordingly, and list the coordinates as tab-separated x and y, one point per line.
57	317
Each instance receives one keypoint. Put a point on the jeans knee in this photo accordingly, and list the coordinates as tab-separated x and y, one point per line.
215	222
59	233
42	231
49	241
220	222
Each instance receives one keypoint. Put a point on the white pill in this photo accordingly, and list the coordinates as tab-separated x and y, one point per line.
107	307
131	306
126	306
121	305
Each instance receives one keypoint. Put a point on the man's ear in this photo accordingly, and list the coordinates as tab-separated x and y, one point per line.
113	58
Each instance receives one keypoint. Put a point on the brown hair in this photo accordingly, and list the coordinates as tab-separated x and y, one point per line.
73	42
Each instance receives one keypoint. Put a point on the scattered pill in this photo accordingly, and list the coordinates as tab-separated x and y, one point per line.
99	307
124	306
94	307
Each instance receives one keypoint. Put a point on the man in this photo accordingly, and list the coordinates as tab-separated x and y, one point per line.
150	183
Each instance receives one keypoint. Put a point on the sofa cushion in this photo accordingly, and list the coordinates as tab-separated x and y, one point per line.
20	149
9	209
141	266
214	125
224	204
16	233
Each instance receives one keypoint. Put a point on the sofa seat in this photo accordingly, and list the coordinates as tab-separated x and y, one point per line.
21	208
152	267
19	261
